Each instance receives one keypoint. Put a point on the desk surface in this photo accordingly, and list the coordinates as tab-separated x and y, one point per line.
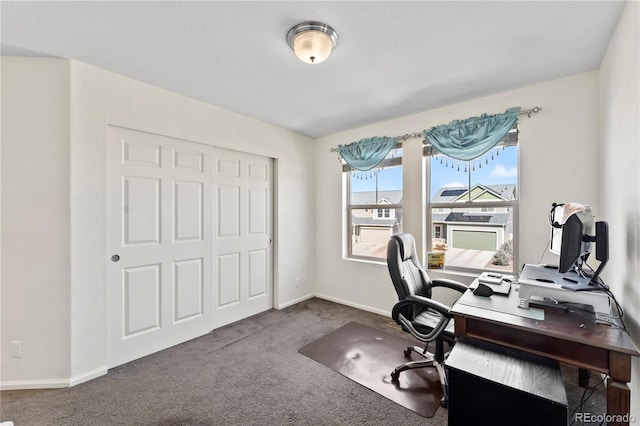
562	325
567	337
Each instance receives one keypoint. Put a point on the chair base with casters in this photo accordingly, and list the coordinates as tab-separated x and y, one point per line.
428	361
426	319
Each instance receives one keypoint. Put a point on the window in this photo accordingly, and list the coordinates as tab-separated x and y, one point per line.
472	208
384	213
374	207
437	231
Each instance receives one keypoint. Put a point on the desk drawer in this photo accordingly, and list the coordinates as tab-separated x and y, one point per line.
578	354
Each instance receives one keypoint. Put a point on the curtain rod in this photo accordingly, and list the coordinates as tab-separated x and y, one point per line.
406	136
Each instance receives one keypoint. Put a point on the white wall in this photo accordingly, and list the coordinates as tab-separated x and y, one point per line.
558	162
71	318
620	184
35	219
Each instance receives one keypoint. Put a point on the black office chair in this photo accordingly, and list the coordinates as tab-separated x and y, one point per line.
426	319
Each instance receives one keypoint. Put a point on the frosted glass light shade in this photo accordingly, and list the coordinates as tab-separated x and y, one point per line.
312	41
312	47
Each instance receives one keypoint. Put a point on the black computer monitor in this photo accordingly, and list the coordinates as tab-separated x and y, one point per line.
576	236
574	251
571	231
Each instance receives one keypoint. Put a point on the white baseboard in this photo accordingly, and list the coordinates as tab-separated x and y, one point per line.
354	305
336	300
34	384
295	301
90	375
52	383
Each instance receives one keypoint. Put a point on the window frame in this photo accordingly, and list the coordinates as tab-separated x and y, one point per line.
386	163
512	139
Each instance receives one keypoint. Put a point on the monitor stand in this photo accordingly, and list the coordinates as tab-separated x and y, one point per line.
534	274
537	282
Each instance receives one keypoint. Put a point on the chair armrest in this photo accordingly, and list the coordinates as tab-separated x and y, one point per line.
413	300
454	285
428	303
423	302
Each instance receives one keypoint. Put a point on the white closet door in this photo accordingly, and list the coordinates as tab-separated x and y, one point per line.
160	229
243	232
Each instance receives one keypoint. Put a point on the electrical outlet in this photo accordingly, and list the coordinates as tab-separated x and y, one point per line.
16	349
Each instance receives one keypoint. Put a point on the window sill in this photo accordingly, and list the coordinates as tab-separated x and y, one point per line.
369	261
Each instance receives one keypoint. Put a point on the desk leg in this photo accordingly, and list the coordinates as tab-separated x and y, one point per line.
460	327
583	377
618	394
618	406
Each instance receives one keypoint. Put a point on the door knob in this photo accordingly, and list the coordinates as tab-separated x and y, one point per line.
115	258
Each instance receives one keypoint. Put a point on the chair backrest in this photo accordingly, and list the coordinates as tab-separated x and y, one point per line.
404	267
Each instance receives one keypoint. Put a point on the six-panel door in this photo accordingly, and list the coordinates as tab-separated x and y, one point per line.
172	273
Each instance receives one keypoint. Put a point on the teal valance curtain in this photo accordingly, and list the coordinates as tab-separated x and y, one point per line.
367	153
468	139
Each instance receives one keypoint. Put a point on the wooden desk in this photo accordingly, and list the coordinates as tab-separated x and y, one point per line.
565	337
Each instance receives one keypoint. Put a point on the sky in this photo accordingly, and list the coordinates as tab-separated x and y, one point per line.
501	169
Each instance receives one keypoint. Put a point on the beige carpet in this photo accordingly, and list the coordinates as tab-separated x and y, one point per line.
368	356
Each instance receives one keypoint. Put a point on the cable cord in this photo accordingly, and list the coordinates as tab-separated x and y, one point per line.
544	251
609	293
585	398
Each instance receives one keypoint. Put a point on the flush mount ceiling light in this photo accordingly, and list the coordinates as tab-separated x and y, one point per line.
312	41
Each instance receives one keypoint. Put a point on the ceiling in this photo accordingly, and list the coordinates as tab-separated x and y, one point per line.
393	58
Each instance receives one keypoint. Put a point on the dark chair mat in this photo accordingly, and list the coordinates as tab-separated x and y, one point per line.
368	356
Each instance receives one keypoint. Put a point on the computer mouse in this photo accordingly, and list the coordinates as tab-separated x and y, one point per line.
483	290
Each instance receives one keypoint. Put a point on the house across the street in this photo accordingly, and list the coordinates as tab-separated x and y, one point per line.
374	226
470	236
478	228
